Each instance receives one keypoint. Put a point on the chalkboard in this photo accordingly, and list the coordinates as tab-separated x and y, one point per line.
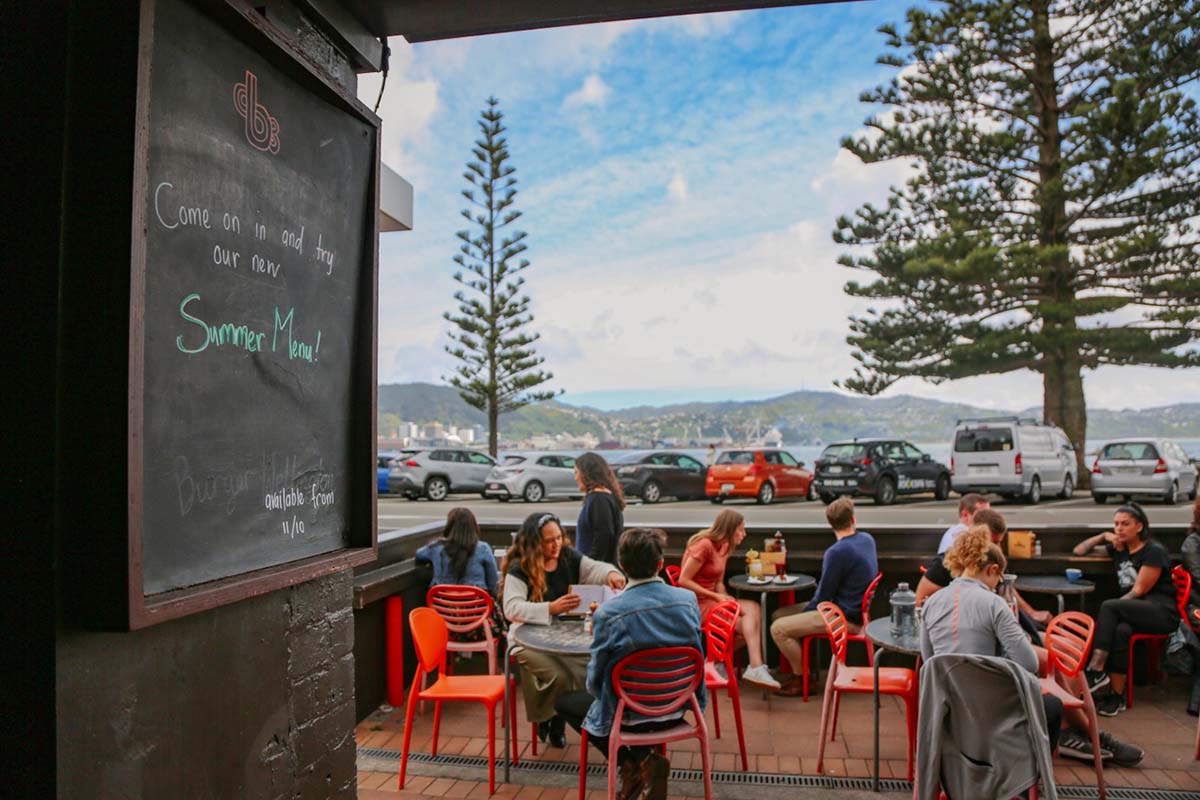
252	358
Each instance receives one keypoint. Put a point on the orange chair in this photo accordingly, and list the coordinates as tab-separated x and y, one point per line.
719	633
898	681
464	609
429	637
1154	641
654	683
672	573
1068	642
868	597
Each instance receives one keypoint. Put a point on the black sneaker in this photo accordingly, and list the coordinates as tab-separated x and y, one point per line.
1123	754
1109	705
1096	679
1073	744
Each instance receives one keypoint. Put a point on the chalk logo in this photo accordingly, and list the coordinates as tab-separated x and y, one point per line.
262	130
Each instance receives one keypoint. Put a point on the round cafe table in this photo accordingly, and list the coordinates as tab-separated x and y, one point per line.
879	631
742	583
562	637
1057	585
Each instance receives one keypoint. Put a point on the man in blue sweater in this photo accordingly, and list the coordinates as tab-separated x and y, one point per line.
847	570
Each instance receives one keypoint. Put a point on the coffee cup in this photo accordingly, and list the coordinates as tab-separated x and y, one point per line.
1074	574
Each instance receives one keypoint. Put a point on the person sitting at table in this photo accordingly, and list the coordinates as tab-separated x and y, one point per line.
536	587
459	557
970	618
703	572
968	504
648	614
1143	568
1190	551
849	566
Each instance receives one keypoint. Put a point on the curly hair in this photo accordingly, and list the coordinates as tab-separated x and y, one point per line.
723	529
972	551
597	474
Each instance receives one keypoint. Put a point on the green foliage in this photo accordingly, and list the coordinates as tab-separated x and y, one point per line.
497	370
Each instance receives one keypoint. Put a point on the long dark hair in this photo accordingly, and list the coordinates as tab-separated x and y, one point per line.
461	537
1135	510
597	474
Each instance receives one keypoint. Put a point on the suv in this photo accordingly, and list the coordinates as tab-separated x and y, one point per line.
438	472
1149	466
533	476
763	474
880	468
1012	457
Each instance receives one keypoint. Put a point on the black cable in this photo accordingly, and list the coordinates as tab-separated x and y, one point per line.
387	51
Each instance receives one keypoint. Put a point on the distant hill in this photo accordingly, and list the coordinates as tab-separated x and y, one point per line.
802	417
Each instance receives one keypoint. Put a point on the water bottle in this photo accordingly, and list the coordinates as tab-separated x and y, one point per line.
1010	592
904	612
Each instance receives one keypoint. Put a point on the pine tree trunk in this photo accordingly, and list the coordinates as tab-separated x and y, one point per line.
493	433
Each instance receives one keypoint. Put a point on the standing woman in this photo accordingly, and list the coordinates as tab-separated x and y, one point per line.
703	571
600	521
536	587
459	557
1143	570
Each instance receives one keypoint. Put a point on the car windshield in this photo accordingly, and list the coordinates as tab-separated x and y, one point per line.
512	460
848	452
1126	451
736	457
983	440
626	458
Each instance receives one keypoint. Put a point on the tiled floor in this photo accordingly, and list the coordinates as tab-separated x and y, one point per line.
781	737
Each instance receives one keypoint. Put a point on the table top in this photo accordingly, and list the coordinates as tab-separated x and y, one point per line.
1053	584
879	631
801	582
565	637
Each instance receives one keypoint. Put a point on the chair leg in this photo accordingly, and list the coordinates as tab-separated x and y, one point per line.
1079	687
706	765
804	668
512	724
413	702
437	722
491	712
713	697
825	709
533	737
583	748
614	748
736	700
837	704
1129	675
910	717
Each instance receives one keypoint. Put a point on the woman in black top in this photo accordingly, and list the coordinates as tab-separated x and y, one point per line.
1191	562
1143	570
600	520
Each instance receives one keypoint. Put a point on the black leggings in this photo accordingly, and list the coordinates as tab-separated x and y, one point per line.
573	707
1054	715
1120	619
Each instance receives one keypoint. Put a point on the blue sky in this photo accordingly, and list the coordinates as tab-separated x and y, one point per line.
679	180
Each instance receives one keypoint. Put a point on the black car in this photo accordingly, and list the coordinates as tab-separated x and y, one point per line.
653	476
880	468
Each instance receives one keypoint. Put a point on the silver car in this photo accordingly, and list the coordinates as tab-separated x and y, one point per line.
437	472
1150	466
533	476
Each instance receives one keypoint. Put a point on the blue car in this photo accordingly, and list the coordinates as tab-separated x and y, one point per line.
381	470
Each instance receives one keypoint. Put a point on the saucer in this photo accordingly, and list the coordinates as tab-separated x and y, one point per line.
759	581
784	579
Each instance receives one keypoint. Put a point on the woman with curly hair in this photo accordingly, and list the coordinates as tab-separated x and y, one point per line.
459	557
537	587
600	520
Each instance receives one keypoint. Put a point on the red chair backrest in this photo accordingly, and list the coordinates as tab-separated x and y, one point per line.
868	597
718	629
835	625
1068	640
429	638
462	608
1183	589
657	682
672	572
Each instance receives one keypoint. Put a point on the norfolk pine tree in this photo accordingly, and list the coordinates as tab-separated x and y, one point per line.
1050	222
497	373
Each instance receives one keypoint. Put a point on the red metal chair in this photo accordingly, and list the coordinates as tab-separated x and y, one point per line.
868	596
465	609
1068	642
1154	641
898	681
430	637
672	574
654	683
719	633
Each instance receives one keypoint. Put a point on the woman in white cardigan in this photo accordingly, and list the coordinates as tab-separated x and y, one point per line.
536	587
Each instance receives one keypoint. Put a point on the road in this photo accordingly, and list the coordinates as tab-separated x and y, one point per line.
396	512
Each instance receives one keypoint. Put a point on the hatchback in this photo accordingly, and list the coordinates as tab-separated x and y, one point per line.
533	477
1152	466
763	474
653	476
438	472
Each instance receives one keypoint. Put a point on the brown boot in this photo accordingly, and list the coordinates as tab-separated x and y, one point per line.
629	779
793	686
655	770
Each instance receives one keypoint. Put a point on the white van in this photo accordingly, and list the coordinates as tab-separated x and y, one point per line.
1012	457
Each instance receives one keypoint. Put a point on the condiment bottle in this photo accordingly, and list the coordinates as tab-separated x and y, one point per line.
588	620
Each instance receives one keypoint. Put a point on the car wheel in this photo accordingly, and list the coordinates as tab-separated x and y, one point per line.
1068	489
826	498
1034	495
534	492
437	488
651	492
1172	494
766	494
941	489
885	492
716	499
1099	499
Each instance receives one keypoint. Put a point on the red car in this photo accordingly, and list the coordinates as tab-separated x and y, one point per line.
763	474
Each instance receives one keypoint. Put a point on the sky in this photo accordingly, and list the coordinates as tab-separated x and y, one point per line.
679	179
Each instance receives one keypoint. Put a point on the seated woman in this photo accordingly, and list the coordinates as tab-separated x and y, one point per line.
703	571
536	587
459	557
969	617
1191	562
1143	570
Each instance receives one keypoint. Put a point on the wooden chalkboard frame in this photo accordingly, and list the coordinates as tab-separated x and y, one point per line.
240	20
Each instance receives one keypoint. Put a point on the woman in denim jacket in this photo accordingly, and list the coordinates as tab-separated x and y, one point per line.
459	557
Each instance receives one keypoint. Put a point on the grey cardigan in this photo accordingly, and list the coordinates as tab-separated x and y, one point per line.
967	617
981	730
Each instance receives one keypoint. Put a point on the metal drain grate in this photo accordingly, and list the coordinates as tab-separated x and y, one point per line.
763	778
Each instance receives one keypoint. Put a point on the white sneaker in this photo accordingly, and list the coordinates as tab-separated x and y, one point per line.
761	676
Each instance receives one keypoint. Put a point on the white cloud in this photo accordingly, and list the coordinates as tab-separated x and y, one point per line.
593	92
410	104
677	189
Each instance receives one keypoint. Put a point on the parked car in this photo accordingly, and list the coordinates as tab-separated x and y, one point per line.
533	476
764	474
383	467
1150	466
653	476
438	472
879	468
1012	457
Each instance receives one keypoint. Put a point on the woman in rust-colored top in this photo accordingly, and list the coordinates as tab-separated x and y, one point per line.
703	571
